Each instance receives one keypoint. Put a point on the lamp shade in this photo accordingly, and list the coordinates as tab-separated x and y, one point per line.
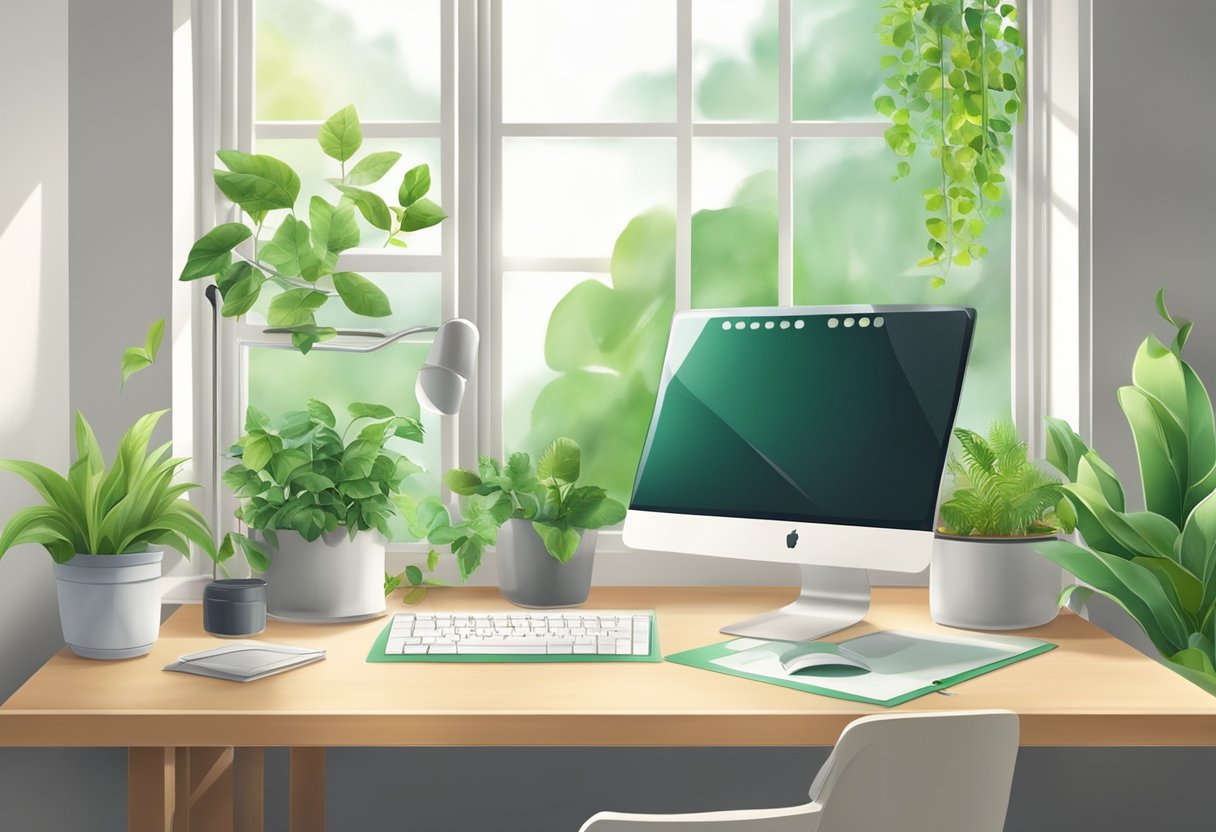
448	367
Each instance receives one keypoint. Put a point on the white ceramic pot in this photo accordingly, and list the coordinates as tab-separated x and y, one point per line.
528	576
333	578
992	583
109	605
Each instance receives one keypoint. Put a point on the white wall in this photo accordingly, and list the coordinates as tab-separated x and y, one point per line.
34	413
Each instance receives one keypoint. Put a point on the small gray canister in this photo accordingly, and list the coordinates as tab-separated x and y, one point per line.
235	607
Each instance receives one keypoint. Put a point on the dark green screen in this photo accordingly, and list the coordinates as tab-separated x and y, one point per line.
845	425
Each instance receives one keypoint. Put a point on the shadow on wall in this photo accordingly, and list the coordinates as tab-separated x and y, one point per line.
34	415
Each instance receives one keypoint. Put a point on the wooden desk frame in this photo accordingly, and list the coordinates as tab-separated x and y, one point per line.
196	745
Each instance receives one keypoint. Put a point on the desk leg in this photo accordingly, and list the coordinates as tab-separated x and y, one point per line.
211	792
249	790
308	790
151	789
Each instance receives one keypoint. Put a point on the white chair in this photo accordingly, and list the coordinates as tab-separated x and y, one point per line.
934	772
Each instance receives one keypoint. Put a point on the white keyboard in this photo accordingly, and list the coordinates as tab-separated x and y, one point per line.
590	632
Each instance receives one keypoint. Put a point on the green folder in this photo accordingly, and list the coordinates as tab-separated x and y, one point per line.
904	665
378	655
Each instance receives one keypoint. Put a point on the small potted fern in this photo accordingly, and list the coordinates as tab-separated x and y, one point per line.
986	573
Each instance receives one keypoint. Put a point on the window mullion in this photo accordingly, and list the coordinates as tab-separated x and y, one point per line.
785	156
683	288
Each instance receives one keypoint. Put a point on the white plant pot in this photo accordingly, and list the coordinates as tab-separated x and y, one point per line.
333	578
992	583
109	605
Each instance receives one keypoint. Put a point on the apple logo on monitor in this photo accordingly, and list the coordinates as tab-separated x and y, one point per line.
791	539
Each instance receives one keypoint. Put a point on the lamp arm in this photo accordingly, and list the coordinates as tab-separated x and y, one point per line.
384	339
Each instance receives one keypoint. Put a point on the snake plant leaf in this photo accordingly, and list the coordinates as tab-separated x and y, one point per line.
1193	664
1183	589
256	182
341	135
1139	533
1064	447
1093	472
38	524
1201	440
1153	429
212	253
1197	548
372	167
1158	372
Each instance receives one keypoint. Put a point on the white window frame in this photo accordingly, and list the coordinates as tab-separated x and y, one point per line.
1050	223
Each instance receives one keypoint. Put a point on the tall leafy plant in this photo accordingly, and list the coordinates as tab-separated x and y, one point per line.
955	73
1159	564
302	257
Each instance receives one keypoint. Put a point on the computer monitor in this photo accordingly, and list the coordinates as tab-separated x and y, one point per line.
811	435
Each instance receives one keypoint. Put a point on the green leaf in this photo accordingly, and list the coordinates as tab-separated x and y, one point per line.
257	183
212	253
560	461
591	508
311	481
305	336
291	251
414	595
462	482
257	449
295	307
414	185
360	410
333	229
341	135
372	167
561	542
135	359
361	296
421	214
243	292
413	574
468	556
373	208
321	413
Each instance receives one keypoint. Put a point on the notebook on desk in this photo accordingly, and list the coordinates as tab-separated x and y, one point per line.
902	665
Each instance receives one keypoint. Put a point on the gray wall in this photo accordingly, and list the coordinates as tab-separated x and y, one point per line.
1154	196
1152	225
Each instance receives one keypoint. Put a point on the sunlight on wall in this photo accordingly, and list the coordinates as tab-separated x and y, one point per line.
22	256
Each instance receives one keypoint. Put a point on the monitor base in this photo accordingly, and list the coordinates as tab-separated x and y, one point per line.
831	599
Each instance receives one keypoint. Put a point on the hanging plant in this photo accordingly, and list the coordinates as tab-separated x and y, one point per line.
301	259
956	73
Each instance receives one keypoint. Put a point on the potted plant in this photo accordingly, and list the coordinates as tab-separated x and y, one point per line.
1159	565
986	572
301	257
106	528
322	502
541	522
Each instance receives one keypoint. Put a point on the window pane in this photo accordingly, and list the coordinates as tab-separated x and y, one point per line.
316	56
734	227
858	235
415	298
836	59
582	355
588	60
314	167
283	380
572	197
734	53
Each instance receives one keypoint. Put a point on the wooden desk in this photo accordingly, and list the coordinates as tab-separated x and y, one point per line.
1093	691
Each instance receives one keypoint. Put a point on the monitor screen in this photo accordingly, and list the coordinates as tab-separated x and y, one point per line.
835	415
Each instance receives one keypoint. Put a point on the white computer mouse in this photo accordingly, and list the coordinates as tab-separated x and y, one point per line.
812	656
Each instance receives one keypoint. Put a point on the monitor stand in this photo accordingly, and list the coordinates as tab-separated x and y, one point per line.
831	599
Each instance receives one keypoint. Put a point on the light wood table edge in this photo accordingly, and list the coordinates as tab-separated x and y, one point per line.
21	729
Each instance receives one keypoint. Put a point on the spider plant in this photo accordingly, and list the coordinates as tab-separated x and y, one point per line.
130	506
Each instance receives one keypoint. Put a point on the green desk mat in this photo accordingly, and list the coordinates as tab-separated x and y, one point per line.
377	655
702	658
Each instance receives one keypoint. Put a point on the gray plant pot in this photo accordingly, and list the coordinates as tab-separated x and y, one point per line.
529	576
331	579
992	583
109	605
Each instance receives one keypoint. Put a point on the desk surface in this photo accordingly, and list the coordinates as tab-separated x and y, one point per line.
1093	691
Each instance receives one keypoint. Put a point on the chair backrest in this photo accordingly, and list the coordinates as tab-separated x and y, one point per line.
932	772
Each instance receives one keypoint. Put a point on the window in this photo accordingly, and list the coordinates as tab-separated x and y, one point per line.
618	160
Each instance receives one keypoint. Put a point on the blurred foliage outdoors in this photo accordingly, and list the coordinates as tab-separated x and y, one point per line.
857	234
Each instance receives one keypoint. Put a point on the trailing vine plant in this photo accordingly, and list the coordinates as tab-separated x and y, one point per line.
301	257
956	72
